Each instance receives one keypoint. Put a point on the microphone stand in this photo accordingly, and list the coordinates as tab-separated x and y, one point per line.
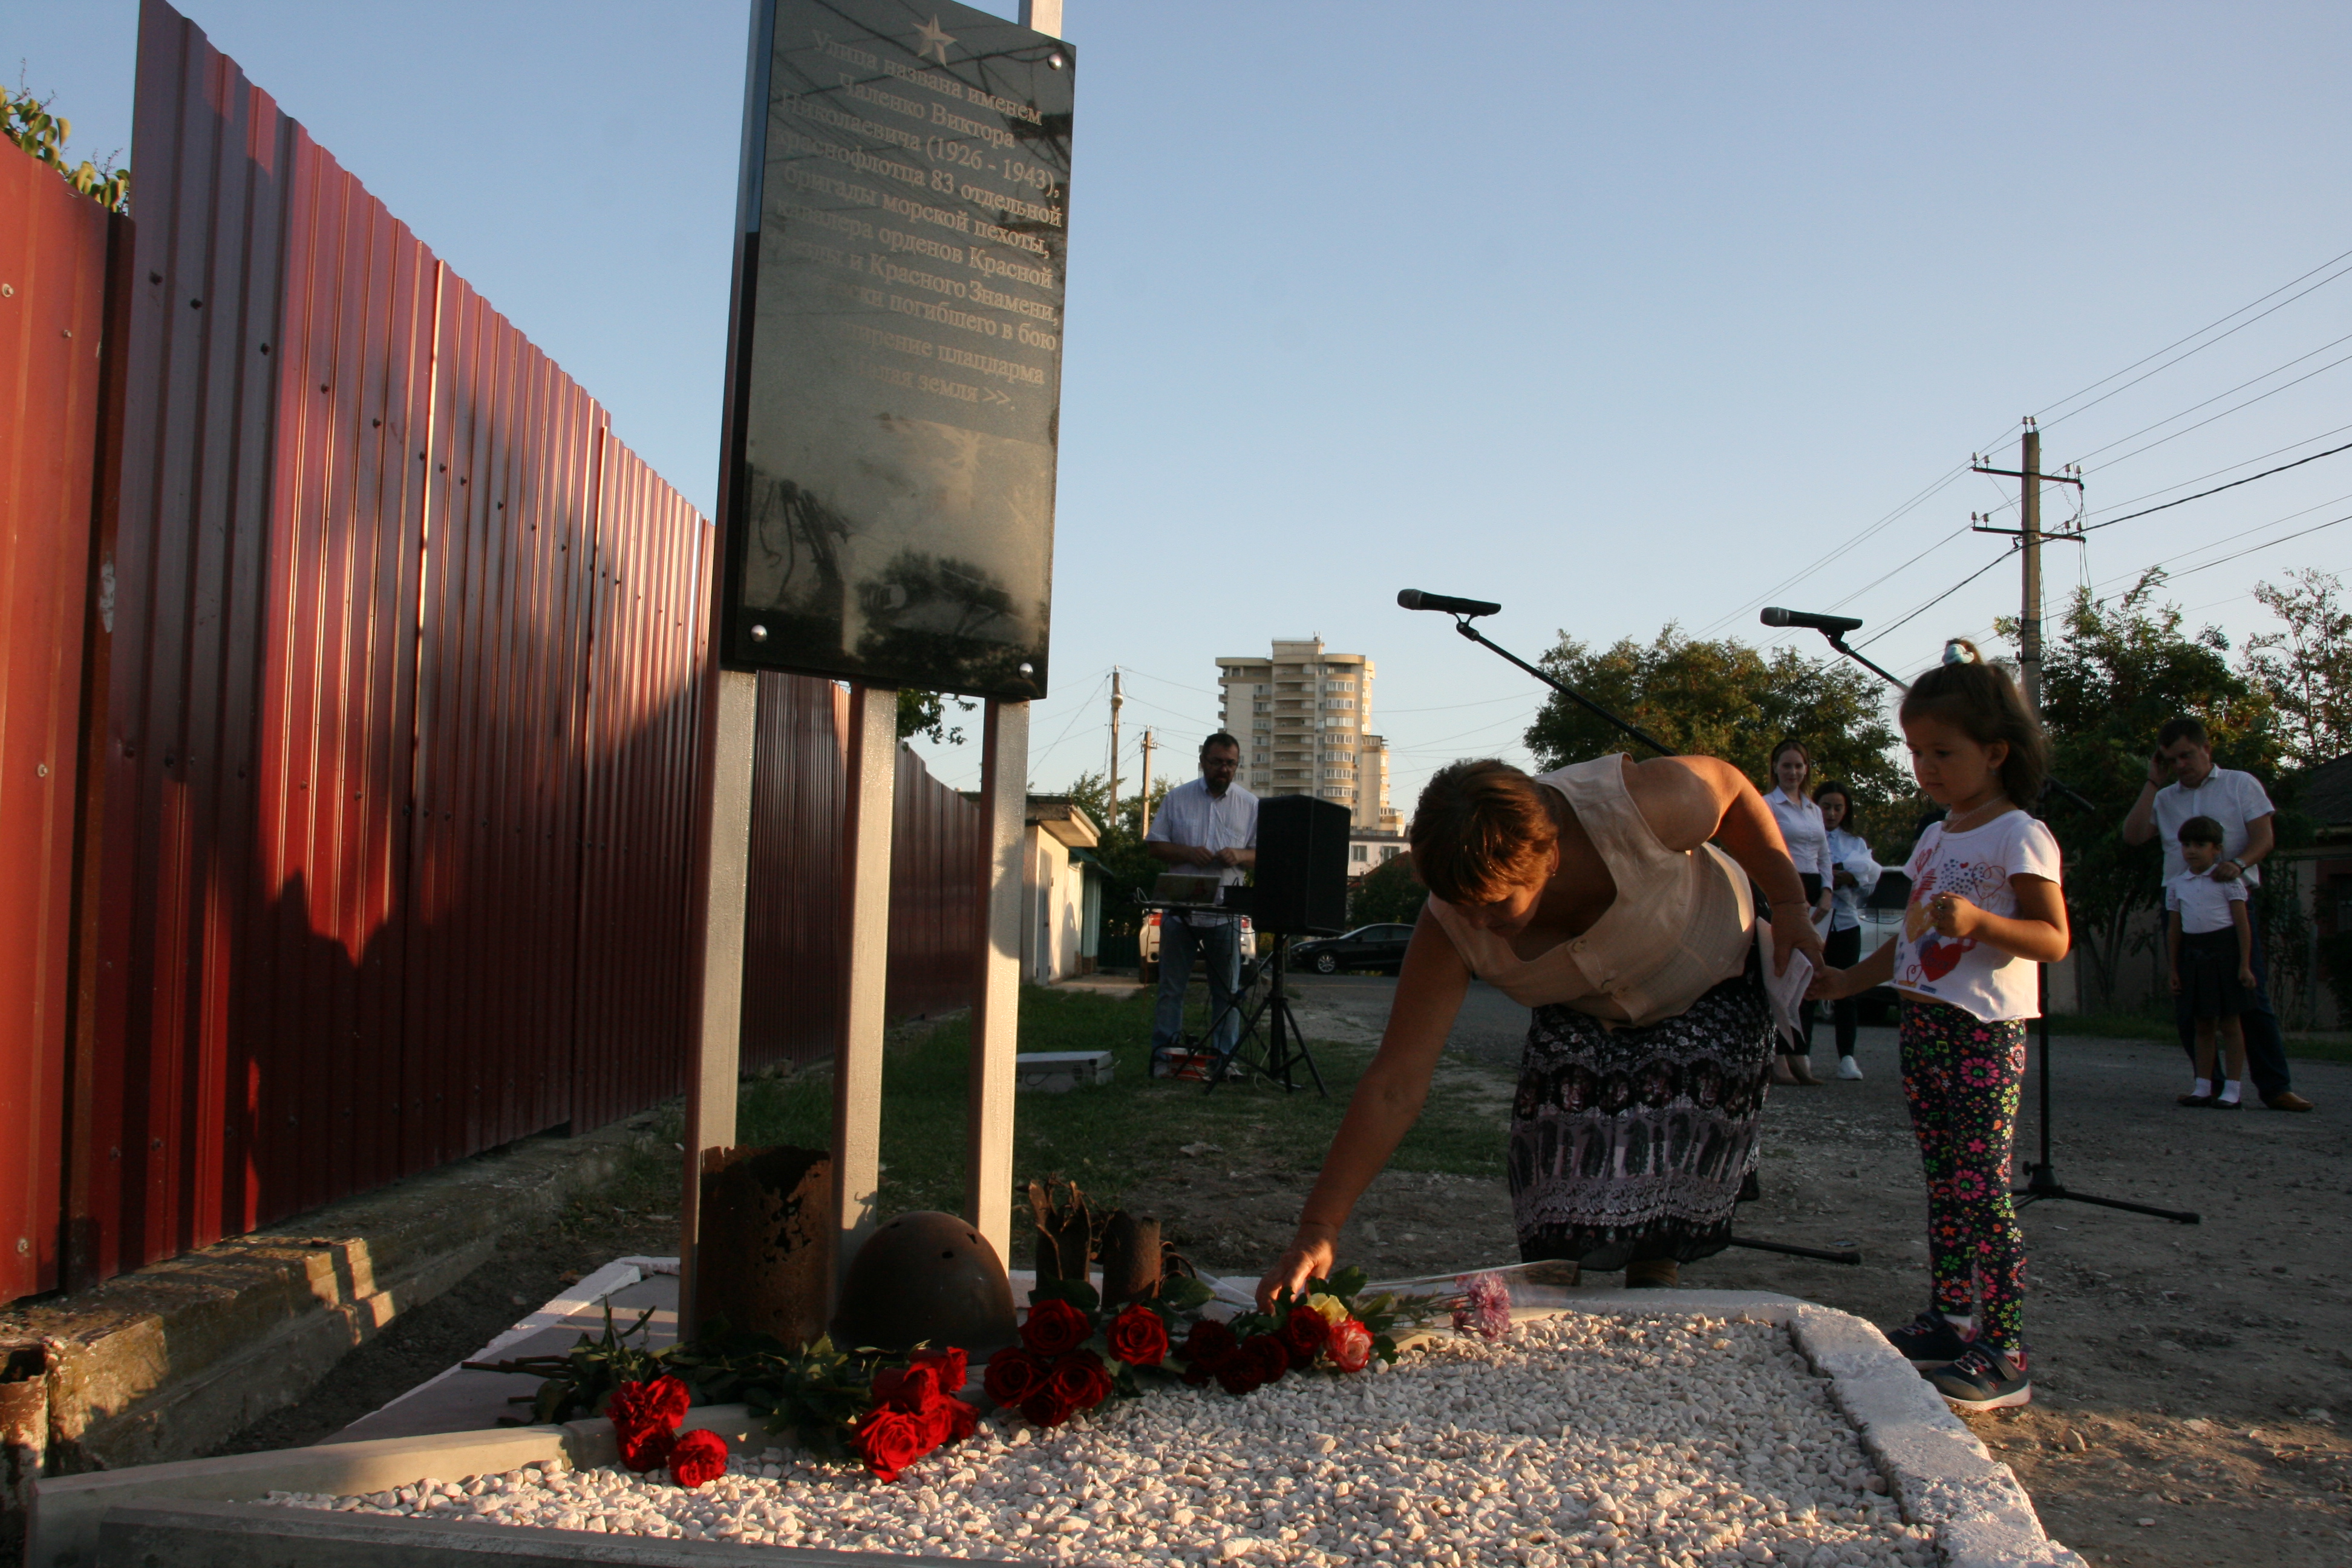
2042	1182
1462	624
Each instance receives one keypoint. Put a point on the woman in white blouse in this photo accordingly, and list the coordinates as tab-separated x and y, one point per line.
1807	836
1854	878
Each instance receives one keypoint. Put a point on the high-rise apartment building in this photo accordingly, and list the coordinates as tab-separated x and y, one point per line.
1303	717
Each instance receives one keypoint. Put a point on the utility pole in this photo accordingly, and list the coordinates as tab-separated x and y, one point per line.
1143	811
1116	699
2030	480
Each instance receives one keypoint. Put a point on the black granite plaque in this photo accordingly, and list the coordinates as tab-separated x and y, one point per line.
895	367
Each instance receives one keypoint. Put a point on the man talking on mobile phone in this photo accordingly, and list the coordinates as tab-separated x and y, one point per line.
2235	799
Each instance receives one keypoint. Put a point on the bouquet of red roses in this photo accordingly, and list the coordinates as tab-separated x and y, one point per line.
916	1408
1057	1369
1331	1324
644	1417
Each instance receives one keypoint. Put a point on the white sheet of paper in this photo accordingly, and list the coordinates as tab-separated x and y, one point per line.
1786	991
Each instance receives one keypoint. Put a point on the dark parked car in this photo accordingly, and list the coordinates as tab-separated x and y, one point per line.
1378	947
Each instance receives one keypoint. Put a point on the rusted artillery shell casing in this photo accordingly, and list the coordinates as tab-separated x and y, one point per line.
764	1259
1132	1261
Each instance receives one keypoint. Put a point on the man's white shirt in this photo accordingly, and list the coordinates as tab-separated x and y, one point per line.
2230	797
1188	814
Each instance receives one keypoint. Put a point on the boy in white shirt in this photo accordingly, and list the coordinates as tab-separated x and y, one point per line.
2212	946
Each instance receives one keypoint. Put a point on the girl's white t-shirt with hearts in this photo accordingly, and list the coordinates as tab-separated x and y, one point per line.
1976	865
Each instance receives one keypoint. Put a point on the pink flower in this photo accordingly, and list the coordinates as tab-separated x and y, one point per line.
1485	1309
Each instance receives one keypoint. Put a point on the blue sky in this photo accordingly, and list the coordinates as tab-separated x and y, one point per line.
1619	315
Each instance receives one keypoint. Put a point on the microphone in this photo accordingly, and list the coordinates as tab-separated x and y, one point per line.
1414	599
1831	625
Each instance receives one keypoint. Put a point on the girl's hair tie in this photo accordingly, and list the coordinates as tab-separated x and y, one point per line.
1960	652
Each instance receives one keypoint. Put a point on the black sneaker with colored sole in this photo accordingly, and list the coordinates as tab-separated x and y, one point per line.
1982	1380
1928	1340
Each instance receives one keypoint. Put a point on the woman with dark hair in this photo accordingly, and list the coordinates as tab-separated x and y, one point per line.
1853	876
1592	895
1802	831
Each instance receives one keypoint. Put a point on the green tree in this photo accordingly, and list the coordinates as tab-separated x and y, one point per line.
2116	673
925	713
26	121
1121	848
1389	892
1727	699
2305	671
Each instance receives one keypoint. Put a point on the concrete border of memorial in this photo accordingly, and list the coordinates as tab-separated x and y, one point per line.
1938	1475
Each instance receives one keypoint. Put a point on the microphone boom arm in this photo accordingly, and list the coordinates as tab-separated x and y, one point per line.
1589	705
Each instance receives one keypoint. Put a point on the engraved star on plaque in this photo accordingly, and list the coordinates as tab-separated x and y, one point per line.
933	39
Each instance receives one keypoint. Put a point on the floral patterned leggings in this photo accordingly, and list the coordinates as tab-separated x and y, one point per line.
1961	1074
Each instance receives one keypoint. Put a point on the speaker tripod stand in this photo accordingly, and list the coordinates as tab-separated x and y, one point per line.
1283	1050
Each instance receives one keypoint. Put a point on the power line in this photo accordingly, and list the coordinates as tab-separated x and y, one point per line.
1938	598
2048	417
2200	348
2217	490
2226	467
2216	398
2045	416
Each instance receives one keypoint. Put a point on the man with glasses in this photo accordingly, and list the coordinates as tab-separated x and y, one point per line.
2236	800
1208	825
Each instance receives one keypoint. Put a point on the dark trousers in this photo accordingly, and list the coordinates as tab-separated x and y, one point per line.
2266	1047
1841	948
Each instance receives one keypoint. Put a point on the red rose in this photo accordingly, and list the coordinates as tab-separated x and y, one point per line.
913	1389
1351	1346
1305	1333
1055	1326
888	1441
646	1448
1081	1378
1236	1375
1137	1336
1046	1408
1012	1376
1266	1356
953	1367
668	1399
1210	1344
699	1456
949	1421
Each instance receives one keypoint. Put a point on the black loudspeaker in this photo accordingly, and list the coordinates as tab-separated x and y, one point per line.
1302	866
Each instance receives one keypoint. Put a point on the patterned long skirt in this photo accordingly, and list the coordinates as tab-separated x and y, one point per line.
1631	1143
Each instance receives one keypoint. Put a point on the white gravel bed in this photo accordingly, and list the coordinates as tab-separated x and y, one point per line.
1582	1440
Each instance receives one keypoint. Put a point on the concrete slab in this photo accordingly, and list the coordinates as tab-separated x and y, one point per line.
1939	1474
457	1400
245	1535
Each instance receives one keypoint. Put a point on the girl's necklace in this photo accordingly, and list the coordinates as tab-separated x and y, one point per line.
1982	814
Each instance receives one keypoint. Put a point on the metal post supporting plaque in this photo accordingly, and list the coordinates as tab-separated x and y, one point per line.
865	922
996	997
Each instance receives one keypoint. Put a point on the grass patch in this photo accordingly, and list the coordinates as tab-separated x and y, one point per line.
2158	1029
1123	1136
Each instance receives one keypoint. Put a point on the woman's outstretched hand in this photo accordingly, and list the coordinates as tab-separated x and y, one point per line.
1829	985
1793	931
1309	1255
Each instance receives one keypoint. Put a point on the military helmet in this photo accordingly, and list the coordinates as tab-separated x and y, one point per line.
926	1277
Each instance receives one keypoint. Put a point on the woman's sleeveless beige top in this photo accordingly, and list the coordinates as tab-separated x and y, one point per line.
1682	921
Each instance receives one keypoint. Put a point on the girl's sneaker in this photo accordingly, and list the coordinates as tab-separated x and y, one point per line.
1982	1380
1928	1340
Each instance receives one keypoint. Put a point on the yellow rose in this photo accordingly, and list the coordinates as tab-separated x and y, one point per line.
1334	1311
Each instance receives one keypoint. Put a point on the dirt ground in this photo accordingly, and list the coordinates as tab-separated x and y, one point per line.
2189	1380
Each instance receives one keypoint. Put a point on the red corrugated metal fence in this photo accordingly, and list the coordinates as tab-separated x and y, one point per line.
53	277
391	837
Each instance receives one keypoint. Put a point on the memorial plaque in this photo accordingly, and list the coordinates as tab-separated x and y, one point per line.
895	370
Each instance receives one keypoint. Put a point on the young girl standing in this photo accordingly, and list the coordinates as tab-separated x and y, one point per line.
1985	910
